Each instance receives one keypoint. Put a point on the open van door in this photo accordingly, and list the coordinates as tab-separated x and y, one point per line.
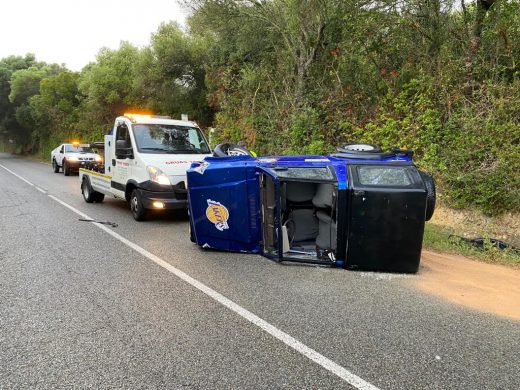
270	215
386	217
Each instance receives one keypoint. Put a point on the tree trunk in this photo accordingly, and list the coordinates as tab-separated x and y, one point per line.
482	8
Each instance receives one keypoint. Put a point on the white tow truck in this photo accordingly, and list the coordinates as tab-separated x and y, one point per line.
145	163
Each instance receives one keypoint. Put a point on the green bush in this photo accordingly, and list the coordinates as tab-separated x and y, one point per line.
406	118
482	153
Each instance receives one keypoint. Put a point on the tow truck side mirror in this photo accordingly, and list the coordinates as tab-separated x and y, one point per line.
122	149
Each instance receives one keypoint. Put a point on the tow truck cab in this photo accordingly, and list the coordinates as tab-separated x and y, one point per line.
145	162
352	213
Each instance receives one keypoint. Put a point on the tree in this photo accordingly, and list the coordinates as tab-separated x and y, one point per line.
23	83
9	128
55	109
171	74
482	8
109	83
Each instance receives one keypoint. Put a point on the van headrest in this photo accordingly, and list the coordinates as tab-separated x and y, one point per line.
298	191
323	196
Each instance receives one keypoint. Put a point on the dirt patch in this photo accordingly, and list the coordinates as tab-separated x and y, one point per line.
486	287
471	223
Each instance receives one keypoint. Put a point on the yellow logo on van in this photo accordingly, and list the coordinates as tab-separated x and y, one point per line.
218	214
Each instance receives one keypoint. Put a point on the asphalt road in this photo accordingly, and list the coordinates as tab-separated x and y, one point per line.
82	308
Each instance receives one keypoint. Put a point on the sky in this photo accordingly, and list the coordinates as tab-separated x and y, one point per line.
73	31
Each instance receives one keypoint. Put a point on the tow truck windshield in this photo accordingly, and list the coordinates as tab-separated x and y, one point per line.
77	149
169	139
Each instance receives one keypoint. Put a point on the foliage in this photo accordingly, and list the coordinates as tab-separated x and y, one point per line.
171	76
108	83
482	155
287	76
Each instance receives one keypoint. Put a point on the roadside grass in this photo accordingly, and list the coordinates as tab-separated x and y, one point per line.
4	148
437	238
38	157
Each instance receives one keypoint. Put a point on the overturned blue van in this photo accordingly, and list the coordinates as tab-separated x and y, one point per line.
360	208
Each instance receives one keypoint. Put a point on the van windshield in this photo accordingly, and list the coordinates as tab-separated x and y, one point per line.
169	139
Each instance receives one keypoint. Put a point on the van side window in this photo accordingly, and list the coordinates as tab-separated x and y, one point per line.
123	134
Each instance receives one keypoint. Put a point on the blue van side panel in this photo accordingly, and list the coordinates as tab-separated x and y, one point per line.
225	207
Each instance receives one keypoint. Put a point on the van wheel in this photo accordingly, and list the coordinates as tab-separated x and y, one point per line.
66	170
136	205
430	194
55	166
359	148
229	150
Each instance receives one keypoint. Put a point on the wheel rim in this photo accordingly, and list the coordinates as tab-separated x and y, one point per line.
360	147
134	205
86	192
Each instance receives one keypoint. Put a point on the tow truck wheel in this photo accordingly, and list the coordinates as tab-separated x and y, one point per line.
55	166
87	191
136	205
99	197
89	194
66	170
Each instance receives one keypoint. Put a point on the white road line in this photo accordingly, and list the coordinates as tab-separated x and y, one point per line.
18	176
287	339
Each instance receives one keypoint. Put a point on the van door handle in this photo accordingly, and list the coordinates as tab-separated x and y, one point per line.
359	192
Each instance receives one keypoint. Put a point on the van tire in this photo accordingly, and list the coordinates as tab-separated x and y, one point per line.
431	195
136	206
229	150
359	148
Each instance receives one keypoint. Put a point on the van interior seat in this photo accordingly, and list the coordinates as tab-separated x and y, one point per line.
327	229
300	192
303	225
323	196
301	221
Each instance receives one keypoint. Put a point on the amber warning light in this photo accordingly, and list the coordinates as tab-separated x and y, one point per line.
136	115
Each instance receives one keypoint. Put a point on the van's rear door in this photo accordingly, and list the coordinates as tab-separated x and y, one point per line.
386	217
